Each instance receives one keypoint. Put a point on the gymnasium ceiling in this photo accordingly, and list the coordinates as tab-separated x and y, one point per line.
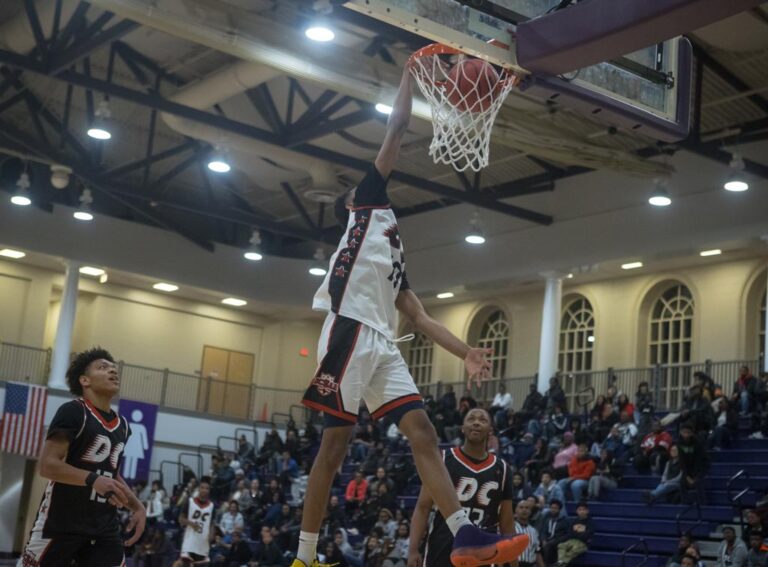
151	175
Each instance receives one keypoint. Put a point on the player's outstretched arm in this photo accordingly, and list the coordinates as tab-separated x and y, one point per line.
478	367
138	520
397	125
419	524
54	466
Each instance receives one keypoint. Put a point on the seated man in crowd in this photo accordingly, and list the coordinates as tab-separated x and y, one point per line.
654	449
580	470
732	551
576	540
694	461
502	403
552	530
548	490
744	391
268	553
236	553
670	479
356	491
757	556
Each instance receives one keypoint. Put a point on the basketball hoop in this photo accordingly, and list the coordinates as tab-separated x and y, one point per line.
465	96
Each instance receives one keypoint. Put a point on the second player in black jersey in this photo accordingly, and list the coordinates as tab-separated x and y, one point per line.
484	486
77	520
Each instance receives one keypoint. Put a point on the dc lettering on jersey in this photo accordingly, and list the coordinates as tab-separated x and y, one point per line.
467	488
101	449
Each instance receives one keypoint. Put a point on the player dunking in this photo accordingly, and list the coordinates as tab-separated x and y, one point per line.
77	520
484	486
359	359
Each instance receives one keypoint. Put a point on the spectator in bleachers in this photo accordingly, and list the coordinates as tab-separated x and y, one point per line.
564	456
556	426
706	384
624	405
398	554
693	460
555	395
670	479
250	499
608	472
155	503
757	556
272	446
342	542
552	528
380	478
643	402
355	493
684	542
288	532
292	444
540	459
268	553
697	411
334	556
548	490
448	399
521	489
580	470
236	553
382	501
232	520
155	551
732	551
612	443
466	403
532	407
373	555
222	481
576	540
744	391
628	434
726	425
287	468
754	523
273	491
692	557
246	453
654	450
502	403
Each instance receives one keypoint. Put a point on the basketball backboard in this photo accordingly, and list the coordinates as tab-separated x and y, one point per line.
647	91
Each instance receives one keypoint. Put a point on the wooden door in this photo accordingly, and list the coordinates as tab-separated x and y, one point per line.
227	377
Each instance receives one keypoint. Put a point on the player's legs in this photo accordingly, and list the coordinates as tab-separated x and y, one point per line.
101	553
54	552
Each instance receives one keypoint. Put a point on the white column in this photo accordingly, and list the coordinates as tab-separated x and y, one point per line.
62	345
550	327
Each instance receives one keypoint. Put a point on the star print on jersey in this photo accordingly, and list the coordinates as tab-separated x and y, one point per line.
345	257
340	272
345	261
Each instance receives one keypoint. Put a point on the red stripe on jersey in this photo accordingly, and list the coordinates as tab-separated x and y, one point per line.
477	467
108	425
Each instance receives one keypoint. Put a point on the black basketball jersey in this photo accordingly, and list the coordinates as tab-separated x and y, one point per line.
481	486
96	443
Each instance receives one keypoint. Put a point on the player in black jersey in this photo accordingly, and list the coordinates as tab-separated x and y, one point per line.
77	520
484	486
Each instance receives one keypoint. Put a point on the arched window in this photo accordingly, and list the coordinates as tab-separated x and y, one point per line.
494	334
671	327
577	336
761	333
420	359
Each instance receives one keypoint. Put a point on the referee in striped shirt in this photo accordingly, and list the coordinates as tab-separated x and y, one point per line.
531	557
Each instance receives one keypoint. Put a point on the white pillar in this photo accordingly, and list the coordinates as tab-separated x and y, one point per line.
550	330
62	345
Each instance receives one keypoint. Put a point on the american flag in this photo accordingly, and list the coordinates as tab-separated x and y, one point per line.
22	429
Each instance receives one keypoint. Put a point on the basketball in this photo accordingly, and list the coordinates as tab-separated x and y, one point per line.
474	83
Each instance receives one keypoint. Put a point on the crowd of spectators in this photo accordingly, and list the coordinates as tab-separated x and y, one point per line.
555	456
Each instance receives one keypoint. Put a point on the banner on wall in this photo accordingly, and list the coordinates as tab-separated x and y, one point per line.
137	456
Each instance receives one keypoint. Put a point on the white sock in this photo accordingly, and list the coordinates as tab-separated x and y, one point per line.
307	552
457	520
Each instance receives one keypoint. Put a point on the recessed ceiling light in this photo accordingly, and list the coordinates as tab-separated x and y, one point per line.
736	185
445	295
384	108
11	253
162	286
99	133
253	256
713	252
591	338
83	215
569	276
631	265
234	302
318	271
91	271
320	33
21	200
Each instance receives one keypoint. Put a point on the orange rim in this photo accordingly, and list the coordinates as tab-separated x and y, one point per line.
506	76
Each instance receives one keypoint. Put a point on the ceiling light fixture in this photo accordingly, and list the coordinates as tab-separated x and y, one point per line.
569	276
383	108
320	33
445	295
91	271
21	197
713	252
83	213
632	266
254	252
591	338
660	196
167	287
736	182
475	234
318	266
234	302
218	162
99	129
11	253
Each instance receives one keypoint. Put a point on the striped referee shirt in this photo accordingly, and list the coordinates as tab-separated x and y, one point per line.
534	547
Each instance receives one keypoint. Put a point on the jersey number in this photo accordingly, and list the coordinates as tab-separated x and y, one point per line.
95	495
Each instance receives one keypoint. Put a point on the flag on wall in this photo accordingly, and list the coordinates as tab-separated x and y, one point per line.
24	412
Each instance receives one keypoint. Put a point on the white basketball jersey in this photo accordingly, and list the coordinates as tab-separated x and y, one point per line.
198	532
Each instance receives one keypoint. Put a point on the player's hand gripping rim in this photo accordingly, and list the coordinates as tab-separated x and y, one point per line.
478	366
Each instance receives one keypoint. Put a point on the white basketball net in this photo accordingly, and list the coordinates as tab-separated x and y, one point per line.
461	120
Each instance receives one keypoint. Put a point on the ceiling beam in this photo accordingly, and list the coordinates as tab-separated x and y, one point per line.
78	51
331	127
139	164
159	103
298	205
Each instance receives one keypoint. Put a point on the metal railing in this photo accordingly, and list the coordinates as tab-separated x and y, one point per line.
695	505
639	543
667	383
